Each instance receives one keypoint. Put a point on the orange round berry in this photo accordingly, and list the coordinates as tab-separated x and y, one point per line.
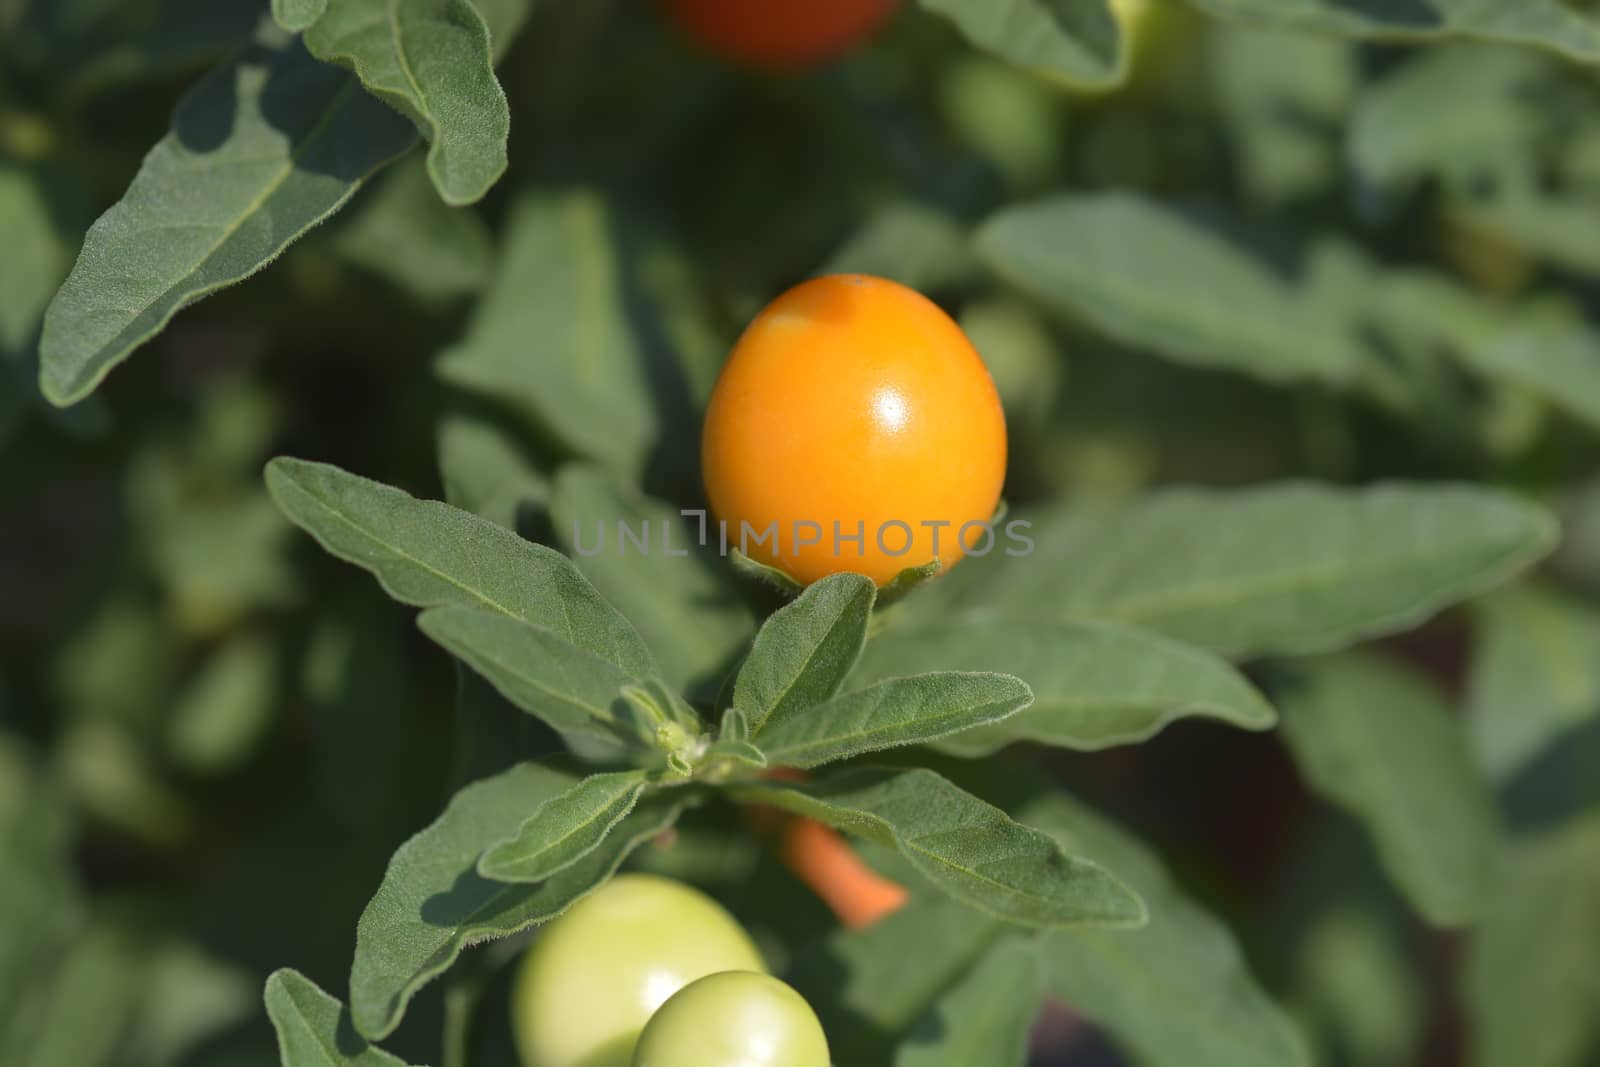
781	33
855	428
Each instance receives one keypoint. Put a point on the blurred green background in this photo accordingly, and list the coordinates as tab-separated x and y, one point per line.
212	736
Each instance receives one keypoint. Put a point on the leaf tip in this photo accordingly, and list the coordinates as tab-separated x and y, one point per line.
297	16
1139	914
60	394
491	864
61	385
279	476
276	980
376	1021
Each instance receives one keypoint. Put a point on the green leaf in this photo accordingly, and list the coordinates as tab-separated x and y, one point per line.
112	778
868	986
1520	208
804	650
1078	42
1450	112
122	662
564	829
1549	349
189	1001
909	243
404	233
431	61
429	554
1411	315
1544	23
908	579
217	555
659	586
1284	96
261	150
986	1018
1094	684
1022	355
222	715
90	996
1357	987
896	712
559	682
671	277
296	15
1543	347
742	752
966	847
553	340
1531	970
735	727
664	704
314	1029
42	910
1380	742
1151	278
1291	568
433	902
1400	317
36	259
1007	117
487	471
1177	991
765	573
1534	676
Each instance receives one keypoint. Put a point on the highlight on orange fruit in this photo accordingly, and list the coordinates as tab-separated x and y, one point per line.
781	33
855	428
821	858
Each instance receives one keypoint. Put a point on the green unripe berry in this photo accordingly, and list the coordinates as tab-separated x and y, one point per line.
595	975
734	1019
